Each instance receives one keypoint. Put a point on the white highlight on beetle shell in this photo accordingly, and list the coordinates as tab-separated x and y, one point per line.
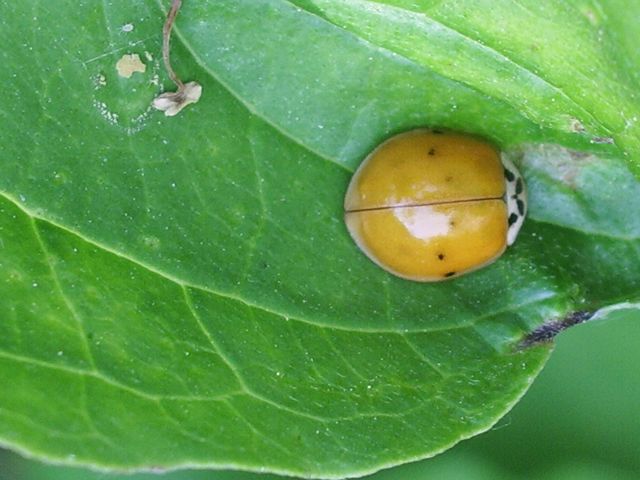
423	222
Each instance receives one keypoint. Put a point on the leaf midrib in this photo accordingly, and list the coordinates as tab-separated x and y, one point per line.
516	63
472	41
187	284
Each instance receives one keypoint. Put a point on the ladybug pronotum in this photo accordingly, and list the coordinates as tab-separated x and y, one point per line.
429	205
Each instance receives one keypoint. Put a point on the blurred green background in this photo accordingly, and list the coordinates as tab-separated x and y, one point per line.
580	420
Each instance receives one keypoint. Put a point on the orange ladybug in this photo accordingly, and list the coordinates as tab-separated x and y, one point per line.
429	205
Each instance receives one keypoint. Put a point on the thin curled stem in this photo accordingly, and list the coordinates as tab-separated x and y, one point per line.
166	42
171	103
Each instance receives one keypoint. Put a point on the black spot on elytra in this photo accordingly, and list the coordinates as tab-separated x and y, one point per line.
448	178
513	218
432	151
441	256
519	186
452	223
509	174
520	206
449	274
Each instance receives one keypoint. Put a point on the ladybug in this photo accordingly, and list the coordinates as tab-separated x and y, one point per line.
429	205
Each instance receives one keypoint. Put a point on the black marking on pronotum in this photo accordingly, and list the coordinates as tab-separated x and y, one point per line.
432	151
449	274
519	186
441	256
520	204
513	218
547	332
509	174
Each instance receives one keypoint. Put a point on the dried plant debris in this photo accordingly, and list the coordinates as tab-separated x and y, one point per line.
172	103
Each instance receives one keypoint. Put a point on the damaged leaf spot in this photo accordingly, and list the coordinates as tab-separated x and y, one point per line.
576	126
130	64
548	331
602	140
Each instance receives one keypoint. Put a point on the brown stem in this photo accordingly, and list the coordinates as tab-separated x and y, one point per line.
166	38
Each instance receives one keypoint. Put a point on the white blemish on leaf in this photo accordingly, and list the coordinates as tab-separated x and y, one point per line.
576	126
107	114
99	80
559	163
127	27
139	122
593	14
130	64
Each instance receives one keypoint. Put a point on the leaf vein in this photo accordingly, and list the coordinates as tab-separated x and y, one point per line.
493	52
313	323
81	331
248	105
109	381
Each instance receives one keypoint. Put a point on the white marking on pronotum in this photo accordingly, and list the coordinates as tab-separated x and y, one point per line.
512	200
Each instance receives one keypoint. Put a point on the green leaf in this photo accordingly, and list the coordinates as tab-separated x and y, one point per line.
183	292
